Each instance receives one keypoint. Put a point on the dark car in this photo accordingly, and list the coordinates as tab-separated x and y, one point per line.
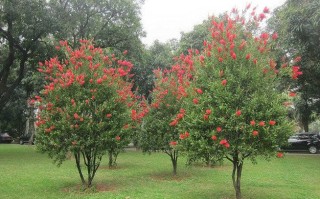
303	142
5	138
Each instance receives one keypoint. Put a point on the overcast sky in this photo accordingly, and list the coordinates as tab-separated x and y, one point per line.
165	19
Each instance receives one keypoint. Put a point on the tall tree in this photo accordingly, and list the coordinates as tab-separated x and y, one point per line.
297	23
23	25
84	107
110	23
233	109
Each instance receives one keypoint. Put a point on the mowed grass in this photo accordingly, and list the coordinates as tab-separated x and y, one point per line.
25	173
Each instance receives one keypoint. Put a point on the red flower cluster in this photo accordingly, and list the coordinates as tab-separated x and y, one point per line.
180	115
173	143
225	143
184	135
296	72
279	155
255	133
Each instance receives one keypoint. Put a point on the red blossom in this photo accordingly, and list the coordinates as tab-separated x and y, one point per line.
208	112
296	72
182	136
262	16
99	81
76	116
174	123
109	115
195	101
118	138
233	55
224	82
186	134
279	155
222	42
199	91
220	59
272	122
262	123
214	137
275	36
292	94
205	117
248	56
266	10
238	113
225	143
219	129
173	143
252	123
255	133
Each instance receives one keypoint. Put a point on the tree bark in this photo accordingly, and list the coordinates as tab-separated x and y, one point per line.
77	158
174	160
236	176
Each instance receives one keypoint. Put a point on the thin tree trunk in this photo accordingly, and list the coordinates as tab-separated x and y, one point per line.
174	160
110	159
77	158
236	176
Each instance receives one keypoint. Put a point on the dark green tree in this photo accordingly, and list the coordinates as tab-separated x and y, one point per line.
23	27
298	25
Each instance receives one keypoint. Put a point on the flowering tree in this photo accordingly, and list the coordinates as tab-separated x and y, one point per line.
233	109
84	107
159	129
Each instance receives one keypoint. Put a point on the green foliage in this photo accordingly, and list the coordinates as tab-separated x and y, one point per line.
297	23
84	106
233	109
23	26
194	39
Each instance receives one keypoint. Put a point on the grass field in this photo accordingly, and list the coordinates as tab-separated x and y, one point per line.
24	173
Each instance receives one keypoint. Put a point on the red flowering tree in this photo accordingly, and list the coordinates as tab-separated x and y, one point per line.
84	107
233	109
159	129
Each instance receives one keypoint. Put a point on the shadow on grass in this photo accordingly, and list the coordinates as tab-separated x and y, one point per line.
96	188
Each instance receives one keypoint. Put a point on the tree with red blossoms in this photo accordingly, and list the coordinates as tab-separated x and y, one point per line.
159	128
239	114
85	107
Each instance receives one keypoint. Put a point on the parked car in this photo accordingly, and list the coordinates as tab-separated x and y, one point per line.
25	139
303	142
5	138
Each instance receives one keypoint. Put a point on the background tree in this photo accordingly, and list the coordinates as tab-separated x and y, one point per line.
194	39
157	56
239	113
84	107
110	23
159	130
29	29
23	25
297	23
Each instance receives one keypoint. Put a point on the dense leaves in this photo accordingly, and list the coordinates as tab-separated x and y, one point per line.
233	109
85	106
297	23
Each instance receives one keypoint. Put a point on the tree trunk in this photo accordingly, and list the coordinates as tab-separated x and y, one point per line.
174	159
77	158
110	159
236	176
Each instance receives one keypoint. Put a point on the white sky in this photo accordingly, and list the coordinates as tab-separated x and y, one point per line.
166	19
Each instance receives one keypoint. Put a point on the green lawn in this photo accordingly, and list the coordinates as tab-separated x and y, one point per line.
24	173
